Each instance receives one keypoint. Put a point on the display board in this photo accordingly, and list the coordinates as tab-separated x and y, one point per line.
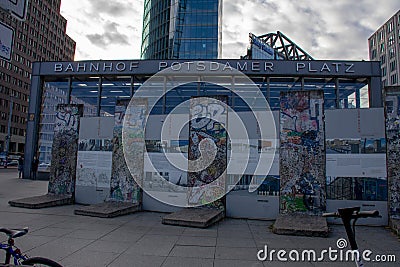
207	142
302	152
94	161
392	109
356	155
64	149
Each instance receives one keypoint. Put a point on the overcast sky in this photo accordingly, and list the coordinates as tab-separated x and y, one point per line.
326	29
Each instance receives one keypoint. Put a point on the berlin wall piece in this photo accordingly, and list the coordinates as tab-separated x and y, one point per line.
129	121
207	134
61	188
207	142
302	153
392	110
64	150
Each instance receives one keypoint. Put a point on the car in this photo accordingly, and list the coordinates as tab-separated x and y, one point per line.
44	167
13	162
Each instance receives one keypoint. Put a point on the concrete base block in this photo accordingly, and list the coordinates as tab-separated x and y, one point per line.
108	209
301	225
39	202
395	225
194	217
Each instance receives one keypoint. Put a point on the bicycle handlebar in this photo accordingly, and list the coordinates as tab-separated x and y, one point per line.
356	214
331	214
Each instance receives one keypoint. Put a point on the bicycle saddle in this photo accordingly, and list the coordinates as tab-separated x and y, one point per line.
14	233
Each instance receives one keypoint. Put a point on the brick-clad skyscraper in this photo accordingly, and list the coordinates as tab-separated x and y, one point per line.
384	46
42	37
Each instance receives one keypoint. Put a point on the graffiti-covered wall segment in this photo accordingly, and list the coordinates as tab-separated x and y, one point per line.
393	150
302	152
129	125
64	150
207	150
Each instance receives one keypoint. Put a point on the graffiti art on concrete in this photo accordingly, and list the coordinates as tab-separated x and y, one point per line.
65	149
302	152
129	122
207	140
392	108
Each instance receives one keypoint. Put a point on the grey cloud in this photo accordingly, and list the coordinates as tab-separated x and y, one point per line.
231	8
269	3
82	52
234	49
114	8
111	35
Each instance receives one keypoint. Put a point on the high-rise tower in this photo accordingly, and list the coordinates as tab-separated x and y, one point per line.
41	37
181	29
384	46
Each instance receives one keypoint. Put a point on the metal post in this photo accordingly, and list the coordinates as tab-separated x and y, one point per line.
32	128
132	92
99	93
69	92
8	137
233	96
268	94
164	104
337	91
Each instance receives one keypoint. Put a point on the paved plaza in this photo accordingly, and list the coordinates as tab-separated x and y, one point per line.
142	240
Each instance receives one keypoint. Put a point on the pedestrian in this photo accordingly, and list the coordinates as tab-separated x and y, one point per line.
20	166
35	166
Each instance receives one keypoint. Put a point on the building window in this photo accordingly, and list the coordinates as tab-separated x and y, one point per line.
390	27
393	66
392	53
372	42
391	40
381	35
393	79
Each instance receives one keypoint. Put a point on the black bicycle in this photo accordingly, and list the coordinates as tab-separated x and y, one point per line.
348	215
18	257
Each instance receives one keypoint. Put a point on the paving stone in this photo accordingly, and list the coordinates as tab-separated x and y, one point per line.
237	263
193	252
184	262
197	241
137	261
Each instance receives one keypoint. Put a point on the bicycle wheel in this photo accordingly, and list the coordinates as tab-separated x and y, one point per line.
40	261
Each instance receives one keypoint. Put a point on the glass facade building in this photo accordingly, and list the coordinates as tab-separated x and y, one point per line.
181	29
100	91
354	134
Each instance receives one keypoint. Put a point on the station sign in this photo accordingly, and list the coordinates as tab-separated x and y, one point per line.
17	8
6	41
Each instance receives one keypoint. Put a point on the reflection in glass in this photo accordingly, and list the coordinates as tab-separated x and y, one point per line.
357	188
54	93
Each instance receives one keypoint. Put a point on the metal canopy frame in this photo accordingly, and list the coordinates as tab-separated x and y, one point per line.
285	47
